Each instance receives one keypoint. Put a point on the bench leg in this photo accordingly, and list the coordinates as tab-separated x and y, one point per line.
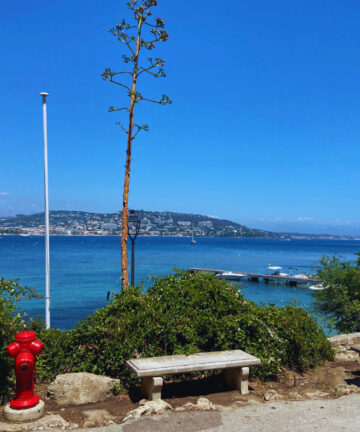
238	378
151	387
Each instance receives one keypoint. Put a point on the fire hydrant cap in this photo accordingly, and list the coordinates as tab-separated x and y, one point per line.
25	336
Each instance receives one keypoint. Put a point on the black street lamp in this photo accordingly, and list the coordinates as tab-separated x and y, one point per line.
133	231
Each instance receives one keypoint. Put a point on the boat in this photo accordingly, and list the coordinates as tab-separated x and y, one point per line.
302	276
318	287
277	271
193	241
228	275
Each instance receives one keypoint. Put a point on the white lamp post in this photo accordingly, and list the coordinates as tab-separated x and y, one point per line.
47	252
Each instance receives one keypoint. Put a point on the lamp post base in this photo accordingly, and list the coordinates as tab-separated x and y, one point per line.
24	415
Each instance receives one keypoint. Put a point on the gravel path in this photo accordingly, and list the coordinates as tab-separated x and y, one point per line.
335	415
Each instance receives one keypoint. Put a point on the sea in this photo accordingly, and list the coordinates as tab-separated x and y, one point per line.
85	269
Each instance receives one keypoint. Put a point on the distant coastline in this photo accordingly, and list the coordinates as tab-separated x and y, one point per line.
153	224
295	237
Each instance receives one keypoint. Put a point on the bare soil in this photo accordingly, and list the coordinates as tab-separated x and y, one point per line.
320	383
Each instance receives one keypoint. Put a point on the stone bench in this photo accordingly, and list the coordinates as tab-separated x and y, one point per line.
151	370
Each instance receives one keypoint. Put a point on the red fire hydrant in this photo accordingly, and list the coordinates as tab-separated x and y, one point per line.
24	350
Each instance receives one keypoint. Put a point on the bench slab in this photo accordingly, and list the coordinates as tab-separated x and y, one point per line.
177	364
150	370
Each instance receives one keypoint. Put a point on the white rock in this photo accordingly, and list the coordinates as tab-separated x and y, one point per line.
147	408
202	404
45	423
81	388
98	417
317	395
295	395
345	389
272	395
347	356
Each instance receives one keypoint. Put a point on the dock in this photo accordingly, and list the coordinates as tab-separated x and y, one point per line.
255	277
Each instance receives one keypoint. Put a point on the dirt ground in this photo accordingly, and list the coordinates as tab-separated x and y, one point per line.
327	382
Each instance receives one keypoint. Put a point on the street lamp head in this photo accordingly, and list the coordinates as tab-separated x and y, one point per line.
44	94
133	224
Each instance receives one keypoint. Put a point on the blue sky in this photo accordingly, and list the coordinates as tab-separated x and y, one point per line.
263	130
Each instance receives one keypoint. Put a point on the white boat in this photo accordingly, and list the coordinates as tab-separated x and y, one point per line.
302	276
276	271
317	287
230	275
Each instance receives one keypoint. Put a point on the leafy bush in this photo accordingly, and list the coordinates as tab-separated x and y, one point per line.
340	302
183	314
11	321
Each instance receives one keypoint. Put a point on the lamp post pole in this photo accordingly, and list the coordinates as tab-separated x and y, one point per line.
132	260
47	231
135	222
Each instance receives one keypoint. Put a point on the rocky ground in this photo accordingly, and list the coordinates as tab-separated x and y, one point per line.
331	381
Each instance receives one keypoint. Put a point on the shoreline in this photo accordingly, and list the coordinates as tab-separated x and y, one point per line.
282	239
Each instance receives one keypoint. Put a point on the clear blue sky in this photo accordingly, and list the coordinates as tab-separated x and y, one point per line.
264	129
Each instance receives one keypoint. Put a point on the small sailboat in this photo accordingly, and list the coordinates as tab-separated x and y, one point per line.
193	241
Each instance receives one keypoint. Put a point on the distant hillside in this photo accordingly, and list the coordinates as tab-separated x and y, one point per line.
64	222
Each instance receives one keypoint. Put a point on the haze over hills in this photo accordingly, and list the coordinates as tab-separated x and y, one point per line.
64	222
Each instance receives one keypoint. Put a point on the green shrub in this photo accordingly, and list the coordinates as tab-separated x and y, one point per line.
340	302
11	321
183	314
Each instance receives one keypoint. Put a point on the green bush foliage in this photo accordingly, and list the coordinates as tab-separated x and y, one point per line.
184	313
11	321
340	302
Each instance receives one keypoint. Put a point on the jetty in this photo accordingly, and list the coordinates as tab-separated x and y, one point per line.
255	277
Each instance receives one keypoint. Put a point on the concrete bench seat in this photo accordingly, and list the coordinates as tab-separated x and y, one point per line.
151	370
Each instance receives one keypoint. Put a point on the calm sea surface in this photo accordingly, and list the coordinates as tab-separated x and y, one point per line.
84	269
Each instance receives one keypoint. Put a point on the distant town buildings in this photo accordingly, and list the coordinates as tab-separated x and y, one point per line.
152	224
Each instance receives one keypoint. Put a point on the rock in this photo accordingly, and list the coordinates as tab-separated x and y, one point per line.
202	404
272	395
317	395
340	349
347	356
44	424
344	389
98	417
81	388
295	396
147	408
342	339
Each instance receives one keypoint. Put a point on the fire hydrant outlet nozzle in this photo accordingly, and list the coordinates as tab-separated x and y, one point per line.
24	350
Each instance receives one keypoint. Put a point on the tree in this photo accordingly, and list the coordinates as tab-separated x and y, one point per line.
340	301
143	35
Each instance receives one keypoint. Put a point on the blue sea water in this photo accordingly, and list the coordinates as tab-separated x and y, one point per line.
84	269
